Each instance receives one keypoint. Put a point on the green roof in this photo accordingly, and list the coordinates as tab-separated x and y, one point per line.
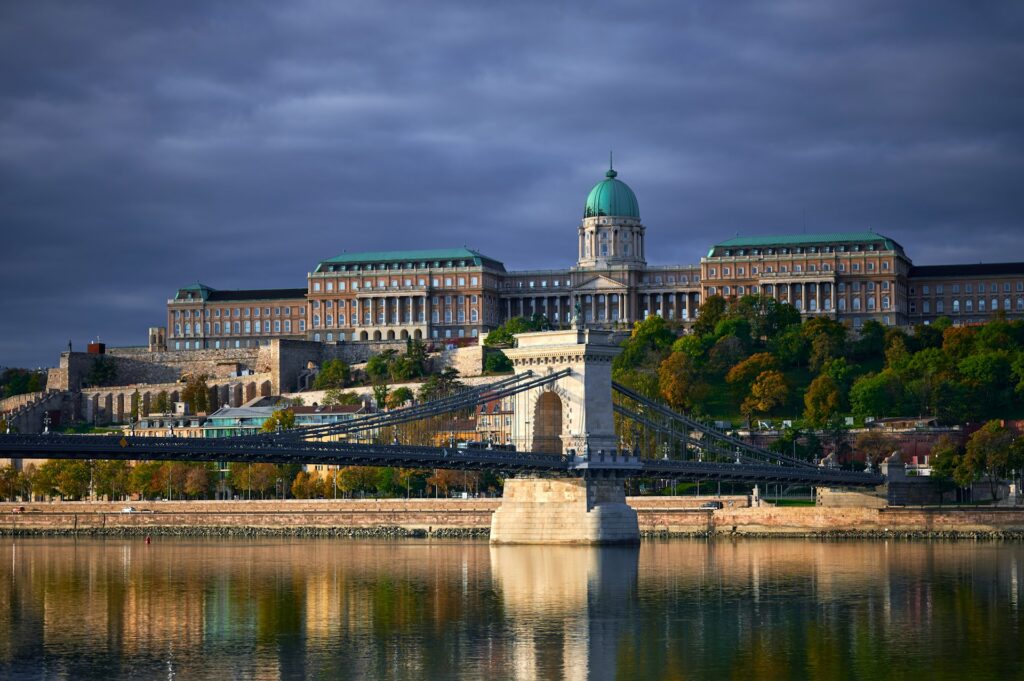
427	255
611	197
807	240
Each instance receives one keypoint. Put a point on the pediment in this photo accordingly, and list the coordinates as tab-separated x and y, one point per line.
601	283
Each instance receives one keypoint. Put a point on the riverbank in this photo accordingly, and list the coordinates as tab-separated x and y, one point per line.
658	517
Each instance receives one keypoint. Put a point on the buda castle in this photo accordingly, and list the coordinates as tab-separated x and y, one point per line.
459	293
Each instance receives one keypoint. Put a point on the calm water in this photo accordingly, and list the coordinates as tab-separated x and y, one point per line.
230	609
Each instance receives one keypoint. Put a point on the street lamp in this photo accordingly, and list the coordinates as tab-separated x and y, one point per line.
46	423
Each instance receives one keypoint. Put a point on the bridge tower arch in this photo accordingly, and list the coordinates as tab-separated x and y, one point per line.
574	412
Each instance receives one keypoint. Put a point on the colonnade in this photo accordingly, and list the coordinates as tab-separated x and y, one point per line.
806	296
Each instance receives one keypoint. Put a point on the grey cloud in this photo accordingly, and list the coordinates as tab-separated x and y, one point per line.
144	146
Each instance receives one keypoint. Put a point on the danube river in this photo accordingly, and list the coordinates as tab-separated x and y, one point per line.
427	609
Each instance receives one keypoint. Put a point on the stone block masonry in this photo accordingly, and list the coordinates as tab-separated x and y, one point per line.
657	516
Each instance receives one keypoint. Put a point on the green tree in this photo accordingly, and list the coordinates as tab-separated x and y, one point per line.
822	401
870	342
111	478
497	363
827	339
791	347
767	317
162	404
440	385
400	397
709	314
380	393
333	374
336	396
877	395
71	478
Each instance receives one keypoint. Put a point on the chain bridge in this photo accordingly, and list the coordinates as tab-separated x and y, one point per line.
575	435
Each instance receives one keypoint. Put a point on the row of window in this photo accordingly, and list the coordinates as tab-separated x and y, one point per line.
238	312
798	269
968	306
235	328
406	318
993	287
341	284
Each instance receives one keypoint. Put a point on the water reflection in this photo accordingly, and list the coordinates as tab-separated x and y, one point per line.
565	606
403	610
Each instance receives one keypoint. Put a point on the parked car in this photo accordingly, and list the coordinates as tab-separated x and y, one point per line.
128	509
712	504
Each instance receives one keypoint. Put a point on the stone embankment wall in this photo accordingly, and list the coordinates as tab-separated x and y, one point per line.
658	516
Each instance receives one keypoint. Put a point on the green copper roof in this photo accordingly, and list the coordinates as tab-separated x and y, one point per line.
611	197
824	238
429	256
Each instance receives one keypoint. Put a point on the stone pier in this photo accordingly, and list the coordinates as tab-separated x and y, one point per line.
572	417
581	510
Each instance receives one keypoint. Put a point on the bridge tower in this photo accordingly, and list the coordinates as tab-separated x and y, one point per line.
571	416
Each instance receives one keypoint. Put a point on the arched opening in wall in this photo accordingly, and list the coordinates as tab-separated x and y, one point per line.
391	335
250	391
265	389
547	424
376	335
405	335
417	334
364	336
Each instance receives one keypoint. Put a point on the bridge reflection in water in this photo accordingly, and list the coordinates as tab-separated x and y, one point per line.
274	609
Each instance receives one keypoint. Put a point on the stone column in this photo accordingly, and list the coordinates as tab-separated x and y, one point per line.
817	294
607	308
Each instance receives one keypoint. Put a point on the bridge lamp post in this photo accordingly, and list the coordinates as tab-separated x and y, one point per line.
46	423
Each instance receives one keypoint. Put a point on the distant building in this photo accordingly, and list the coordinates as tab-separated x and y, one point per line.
457	293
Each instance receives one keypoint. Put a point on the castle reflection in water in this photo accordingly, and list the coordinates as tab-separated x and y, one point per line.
275	609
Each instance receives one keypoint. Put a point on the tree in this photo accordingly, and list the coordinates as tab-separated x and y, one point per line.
283	419
768	392
380	393
196	394
709	314
743	373
765	315
827	339
945	457
111	478
144	478
378	368
497	363
822	401
197	480
264	476
873	446
306	485
726	352
791	347
71	478
988	453
680	382
444	384
877	395
871	341
334	396
161	405
399	397
333	373
20	381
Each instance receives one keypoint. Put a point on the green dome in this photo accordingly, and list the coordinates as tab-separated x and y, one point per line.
613	198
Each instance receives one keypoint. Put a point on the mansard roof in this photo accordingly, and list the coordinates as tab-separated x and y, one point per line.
833	240
433	257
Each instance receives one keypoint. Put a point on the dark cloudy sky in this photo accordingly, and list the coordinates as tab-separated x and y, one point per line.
144	145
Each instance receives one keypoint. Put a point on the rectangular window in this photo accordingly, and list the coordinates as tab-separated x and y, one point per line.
475	281
277	326
462	281
248	326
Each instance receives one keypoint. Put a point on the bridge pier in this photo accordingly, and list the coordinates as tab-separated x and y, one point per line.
577	510
572	417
